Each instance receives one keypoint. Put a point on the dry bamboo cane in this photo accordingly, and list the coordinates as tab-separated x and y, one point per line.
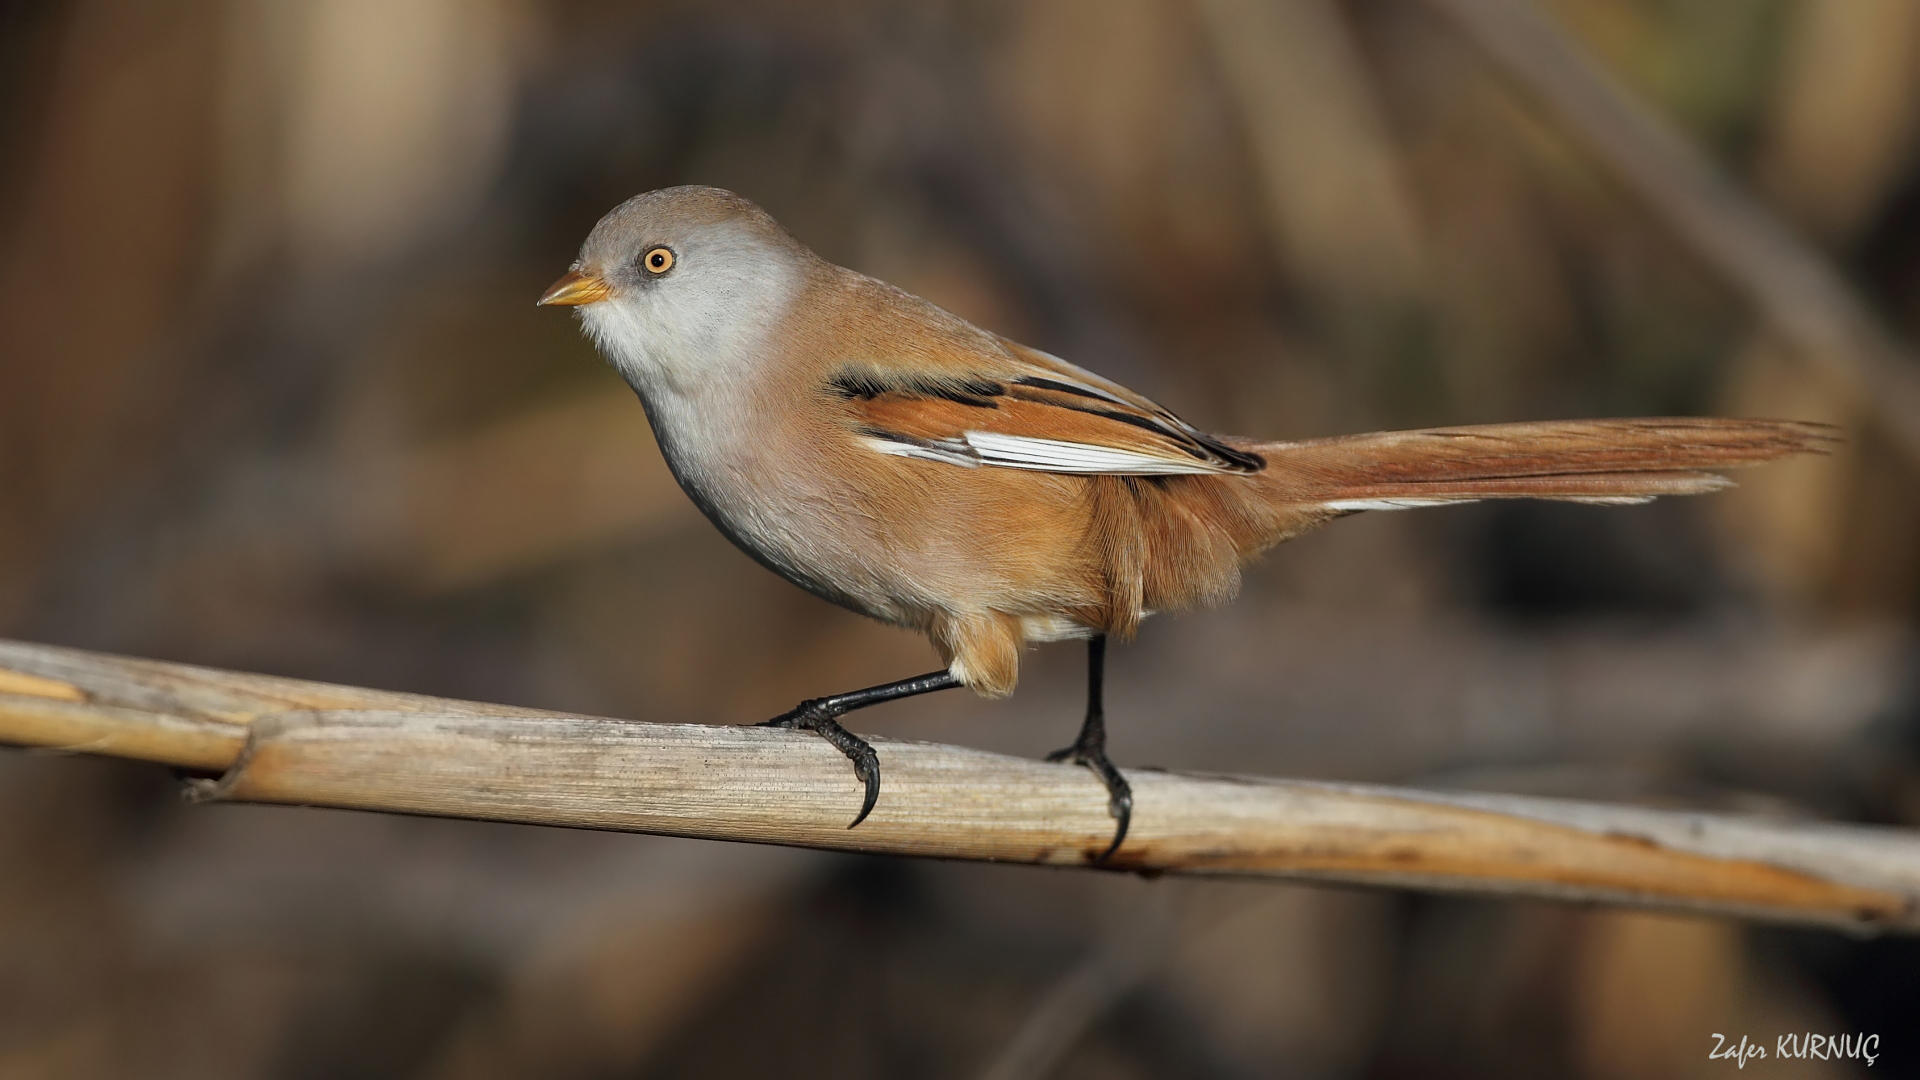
287	741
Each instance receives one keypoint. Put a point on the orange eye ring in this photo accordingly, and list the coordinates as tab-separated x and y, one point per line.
658	261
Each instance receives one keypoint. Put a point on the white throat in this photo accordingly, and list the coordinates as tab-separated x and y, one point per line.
701	331
696	346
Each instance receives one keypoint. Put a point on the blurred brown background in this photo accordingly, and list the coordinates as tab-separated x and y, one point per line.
274	396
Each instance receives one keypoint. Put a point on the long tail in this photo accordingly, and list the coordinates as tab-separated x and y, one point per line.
1590	461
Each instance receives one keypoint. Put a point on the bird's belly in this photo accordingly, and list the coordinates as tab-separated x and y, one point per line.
790	522
895	539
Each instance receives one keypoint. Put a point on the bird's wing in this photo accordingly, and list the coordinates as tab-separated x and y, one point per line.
1032	411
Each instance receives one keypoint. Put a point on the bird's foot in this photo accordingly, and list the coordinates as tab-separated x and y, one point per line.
819	717
1092	752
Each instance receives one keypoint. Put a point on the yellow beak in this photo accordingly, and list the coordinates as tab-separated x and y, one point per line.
575	288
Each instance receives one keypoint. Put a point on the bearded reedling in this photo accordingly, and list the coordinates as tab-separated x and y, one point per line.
897	460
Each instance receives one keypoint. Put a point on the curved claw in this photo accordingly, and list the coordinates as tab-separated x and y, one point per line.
1120	806
866	762
818	716
1119	801
813	716
1119	792
866	766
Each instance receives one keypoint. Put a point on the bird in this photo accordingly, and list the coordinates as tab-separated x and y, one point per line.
895	459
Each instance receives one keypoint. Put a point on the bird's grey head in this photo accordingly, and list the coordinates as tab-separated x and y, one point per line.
680	286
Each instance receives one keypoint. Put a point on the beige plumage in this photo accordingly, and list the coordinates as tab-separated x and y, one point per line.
900	461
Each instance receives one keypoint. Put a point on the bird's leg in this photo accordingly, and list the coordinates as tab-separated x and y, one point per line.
1090	748
821	716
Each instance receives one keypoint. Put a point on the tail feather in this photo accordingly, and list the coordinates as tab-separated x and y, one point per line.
1592	461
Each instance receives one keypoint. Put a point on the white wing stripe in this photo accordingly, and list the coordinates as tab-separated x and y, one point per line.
946	451
977	448
1054	455
1393	504
1411	503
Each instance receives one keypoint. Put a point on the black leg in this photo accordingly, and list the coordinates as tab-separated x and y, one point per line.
1090	749
821	716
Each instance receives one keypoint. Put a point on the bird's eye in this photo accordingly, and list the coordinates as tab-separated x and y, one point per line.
657	261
